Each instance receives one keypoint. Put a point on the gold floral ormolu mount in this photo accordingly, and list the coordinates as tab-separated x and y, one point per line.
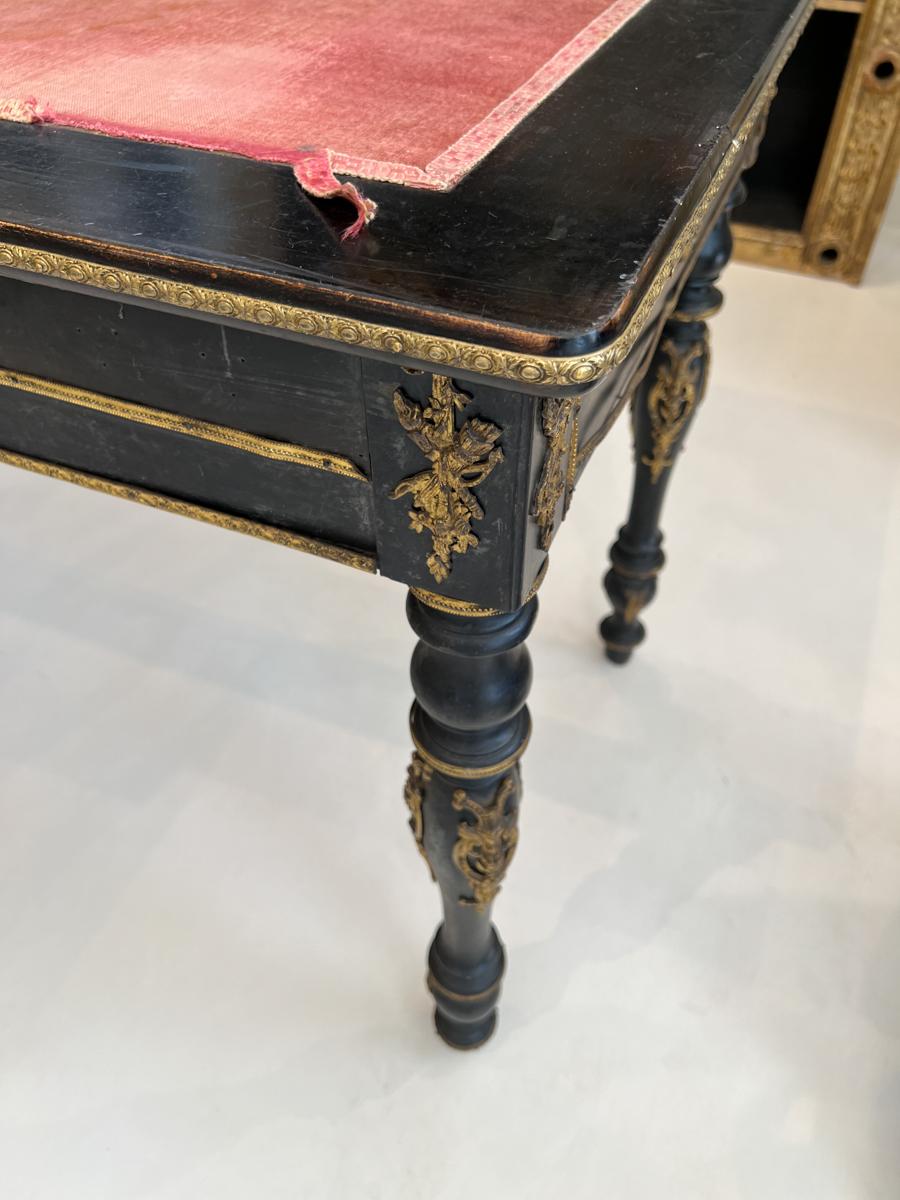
486	837
442	500
418	776
677	384
485	845
559	424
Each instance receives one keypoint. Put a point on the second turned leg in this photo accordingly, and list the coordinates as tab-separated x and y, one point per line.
469	724
663	408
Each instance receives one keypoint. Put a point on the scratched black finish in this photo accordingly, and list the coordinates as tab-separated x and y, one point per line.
546	245
289	496
273	387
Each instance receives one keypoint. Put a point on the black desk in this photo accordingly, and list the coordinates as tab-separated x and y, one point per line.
187	330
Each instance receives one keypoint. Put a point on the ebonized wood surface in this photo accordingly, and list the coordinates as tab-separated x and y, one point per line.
545	247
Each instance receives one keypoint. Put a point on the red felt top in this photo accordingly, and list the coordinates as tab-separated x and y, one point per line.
410	91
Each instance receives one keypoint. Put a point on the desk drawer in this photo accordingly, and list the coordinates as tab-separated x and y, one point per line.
256	382
241	423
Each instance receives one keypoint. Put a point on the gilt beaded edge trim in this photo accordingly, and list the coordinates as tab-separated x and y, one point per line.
455	771
464	608
447	353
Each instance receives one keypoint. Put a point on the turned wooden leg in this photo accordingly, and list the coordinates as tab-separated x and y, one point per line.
663	408
469	724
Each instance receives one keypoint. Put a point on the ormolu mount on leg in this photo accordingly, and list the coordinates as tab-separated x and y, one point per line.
663	408
469	723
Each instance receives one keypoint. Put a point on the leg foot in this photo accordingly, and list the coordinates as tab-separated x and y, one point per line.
465	1012
630	584
616	654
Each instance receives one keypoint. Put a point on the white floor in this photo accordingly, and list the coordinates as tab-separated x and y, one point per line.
213	920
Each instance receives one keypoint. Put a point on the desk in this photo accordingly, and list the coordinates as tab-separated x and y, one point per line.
187	329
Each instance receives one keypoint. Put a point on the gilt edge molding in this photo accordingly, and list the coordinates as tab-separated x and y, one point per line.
447	353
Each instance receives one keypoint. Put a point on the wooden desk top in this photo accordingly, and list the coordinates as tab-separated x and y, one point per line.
546	250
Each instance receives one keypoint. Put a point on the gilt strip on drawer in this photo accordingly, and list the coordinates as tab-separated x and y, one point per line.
237	439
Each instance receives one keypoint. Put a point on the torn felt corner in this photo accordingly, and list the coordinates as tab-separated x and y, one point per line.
26	112
313	171
312	167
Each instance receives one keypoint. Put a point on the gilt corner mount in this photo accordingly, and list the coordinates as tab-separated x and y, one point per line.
443	503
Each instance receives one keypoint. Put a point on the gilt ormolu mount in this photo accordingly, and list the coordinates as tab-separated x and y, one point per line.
443	502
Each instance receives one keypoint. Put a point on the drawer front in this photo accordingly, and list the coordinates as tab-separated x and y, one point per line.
242	423
257	382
